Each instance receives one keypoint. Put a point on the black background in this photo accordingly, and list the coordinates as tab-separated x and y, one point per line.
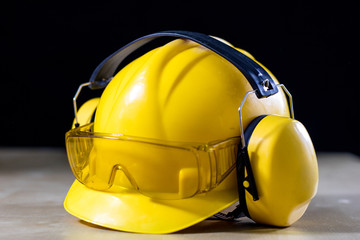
50	47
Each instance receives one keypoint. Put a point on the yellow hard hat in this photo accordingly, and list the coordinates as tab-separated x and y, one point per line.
167	148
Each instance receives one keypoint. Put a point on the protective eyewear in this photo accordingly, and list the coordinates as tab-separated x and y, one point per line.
157	169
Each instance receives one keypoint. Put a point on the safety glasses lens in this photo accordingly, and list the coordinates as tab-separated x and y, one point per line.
116	165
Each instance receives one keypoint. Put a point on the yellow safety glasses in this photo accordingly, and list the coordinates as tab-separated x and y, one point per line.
157	169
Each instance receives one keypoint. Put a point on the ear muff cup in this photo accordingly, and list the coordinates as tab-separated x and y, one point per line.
285	169
86	112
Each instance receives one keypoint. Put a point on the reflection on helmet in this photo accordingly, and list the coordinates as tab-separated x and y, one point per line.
160	155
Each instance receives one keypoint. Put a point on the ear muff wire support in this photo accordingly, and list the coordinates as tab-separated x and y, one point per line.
74	102
253	92
243	163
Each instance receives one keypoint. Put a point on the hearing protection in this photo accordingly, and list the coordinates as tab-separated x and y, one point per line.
182	133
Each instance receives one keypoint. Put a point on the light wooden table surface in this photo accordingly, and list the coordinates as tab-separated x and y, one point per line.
34	183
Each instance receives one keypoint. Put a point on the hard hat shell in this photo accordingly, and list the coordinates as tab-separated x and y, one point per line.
178	92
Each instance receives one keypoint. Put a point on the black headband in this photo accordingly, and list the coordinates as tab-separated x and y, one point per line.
259	79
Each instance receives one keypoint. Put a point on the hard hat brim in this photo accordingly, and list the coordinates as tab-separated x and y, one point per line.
134	212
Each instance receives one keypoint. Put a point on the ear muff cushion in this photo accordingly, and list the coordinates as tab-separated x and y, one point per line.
284	165
250	128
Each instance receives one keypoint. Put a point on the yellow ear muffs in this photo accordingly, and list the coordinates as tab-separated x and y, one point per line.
284	166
